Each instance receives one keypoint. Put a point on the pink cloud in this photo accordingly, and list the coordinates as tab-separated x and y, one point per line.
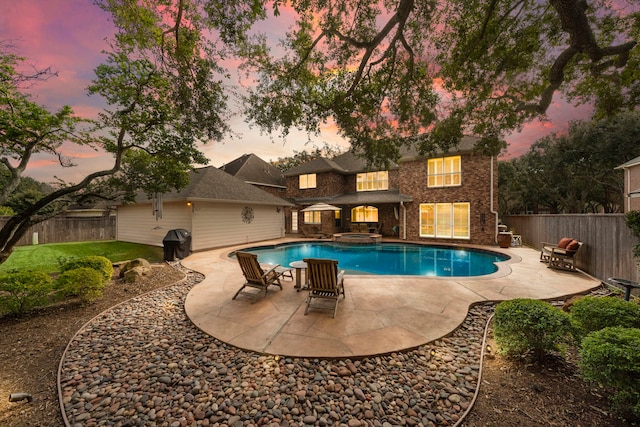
69	36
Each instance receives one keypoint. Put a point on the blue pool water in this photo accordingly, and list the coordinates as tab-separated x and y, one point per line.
387	258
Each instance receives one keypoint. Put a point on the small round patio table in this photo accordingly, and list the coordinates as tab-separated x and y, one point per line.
299	266
627	284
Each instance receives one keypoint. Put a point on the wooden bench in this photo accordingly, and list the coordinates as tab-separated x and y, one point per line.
559	257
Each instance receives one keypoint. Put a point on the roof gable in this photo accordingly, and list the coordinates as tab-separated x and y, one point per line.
252	169
630	163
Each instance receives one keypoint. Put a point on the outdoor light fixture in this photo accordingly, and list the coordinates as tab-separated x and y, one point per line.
188	203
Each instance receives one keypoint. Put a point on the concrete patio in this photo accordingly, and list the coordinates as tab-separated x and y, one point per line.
380	314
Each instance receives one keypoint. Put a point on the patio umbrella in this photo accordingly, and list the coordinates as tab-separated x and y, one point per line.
321	207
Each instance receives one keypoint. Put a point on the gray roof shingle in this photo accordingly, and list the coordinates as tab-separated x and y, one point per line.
253	170
352	163
466	145
212	184
317	165
359	198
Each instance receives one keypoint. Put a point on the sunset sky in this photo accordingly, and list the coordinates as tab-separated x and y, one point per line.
69	35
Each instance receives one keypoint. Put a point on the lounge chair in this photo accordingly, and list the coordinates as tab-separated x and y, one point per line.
561	255
254	274
325	281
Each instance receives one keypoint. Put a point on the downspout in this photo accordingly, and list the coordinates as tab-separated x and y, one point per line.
404	220
627	186
493	211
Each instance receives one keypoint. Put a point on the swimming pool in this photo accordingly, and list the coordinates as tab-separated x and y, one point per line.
403	259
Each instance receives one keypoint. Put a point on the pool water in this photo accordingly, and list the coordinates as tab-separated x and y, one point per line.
403	259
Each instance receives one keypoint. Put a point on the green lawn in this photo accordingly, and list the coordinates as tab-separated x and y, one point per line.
46	257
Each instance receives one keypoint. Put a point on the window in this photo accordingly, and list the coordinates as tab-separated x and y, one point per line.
444	172
445	220
372	181
338	218
313	217
364	214
308	181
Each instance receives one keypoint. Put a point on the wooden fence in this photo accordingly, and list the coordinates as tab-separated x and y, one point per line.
606	253
608	241
69	229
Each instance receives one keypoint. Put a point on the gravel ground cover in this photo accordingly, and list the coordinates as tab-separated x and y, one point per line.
144	363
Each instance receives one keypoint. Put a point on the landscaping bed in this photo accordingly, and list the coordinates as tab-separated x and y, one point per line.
31	348
512	393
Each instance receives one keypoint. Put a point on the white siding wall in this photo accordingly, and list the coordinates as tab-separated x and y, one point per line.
137	223
216	225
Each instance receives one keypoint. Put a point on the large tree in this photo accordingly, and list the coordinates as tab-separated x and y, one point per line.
164	91
573	172
386	72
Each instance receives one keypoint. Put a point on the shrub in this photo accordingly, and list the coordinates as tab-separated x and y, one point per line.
6	211
98	263
632	218
83	282
523	326
611	357
22	291
590	314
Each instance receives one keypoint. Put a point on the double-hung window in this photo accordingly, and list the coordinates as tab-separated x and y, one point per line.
445	220
308	181
444	172
372	181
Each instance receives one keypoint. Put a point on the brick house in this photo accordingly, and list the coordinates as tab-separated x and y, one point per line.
448	198
631	184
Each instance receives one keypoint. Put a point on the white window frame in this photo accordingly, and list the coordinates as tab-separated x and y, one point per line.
372	181
444	172
364	213
307	181
445	220
313	217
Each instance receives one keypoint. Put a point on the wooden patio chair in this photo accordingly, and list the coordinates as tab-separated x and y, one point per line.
561	255
255	276
324	281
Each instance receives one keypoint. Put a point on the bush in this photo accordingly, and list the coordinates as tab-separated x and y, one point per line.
590	314
523	326
83	282
22	291
611	357
98	263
